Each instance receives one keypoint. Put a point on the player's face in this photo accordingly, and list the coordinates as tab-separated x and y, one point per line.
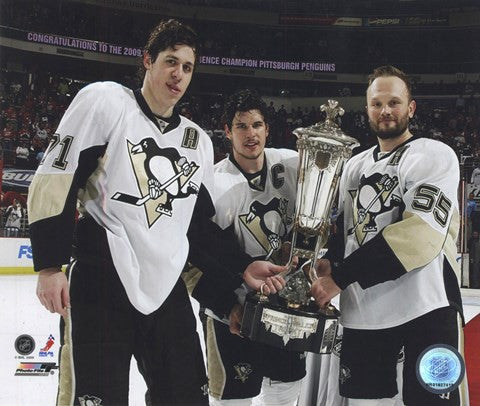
167	79
388	107
248	135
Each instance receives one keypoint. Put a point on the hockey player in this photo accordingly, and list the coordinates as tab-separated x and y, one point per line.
255	189
142	175
398	274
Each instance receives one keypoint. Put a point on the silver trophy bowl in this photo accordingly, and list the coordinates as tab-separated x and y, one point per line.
291	319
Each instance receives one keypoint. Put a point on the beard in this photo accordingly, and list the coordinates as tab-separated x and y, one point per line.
392	132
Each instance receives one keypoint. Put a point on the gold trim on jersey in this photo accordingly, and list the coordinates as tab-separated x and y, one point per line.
414	242
191	276
450	247
42	188
217	376
66	385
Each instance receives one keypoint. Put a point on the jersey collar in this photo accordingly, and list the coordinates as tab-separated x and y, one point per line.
256	180
376	151
163	124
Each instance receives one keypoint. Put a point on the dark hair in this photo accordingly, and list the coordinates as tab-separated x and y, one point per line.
242	101
166	35
389	70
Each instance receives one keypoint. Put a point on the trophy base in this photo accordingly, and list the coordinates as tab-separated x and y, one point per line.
271	322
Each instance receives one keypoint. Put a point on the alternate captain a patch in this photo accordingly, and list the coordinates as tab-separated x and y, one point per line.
190	138
162	175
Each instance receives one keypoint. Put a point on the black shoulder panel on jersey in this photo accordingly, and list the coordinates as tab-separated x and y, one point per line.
217	254
373	263
52	237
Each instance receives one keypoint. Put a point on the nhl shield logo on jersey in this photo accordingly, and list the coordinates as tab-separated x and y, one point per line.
267	223
162	175
373	197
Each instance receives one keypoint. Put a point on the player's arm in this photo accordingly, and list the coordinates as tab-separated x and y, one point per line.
223	262
70	159
428	225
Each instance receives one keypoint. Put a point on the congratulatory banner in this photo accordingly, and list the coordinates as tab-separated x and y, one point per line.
267	64
120	50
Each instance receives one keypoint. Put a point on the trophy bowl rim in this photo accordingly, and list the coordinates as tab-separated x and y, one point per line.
334	134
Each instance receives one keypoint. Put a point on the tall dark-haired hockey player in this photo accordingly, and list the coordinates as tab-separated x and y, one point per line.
143	178
397	278
255	189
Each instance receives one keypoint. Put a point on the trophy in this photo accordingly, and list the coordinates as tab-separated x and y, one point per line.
292	320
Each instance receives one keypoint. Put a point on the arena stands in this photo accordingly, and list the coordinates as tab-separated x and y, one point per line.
333	54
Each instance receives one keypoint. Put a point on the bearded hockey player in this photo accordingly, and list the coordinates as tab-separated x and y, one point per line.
397	277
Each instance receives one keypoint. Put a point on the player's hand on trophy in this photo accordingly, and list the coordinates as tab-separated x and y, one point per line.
323	267
323	290
263	277
53	290
235	319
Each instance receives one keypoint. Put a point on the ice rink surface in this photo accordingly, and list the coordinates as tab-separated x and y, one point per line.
31	379
22	314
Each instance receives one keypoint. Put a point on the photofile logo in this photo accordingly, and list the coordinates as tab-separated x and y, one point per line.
36	368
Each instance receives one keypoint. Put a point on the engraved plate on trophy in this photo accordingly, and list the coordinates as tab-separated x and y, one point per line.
291	319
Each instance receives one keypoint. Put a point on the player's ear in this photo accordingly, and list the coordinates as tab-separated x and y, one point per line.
147	60
227	132
412	106
267	129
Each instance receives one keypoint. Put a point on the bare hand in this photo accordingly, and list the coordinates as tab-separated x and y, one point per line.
323	290
262	275
323	267
235	319
53	290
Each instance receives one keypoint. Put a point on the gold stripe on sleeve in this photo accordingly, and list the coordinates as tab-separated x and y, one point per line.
47	195
413	241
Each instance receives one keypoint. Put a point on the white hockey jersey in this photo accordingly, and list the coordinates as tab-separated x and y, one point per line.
401	222
137	176
260	209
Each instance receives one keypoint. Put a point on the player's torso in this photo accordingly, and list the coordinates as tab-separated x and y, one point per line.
261	218
140	157
373	194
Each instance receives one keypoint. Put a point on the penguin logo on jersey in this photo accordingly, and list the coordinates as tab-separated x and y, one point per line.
88	400
242	370
267	223
373	197
344	374
162	176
